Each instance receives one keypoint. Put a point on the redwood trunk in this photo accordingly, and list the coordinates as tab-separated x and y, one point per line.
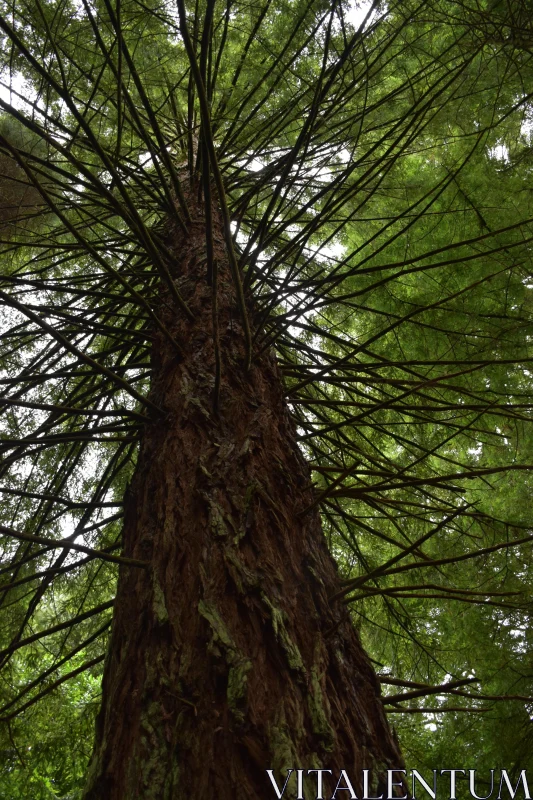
226	657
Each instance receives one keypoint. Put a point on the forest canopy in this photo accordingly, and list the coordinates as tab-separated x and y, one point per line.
373	166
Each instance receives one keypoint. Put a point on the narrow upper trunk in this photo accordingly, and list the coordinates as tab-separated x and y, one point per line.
226	657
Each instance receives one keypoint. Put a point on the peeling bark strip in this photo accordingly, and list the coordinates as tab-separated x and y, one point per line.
219	667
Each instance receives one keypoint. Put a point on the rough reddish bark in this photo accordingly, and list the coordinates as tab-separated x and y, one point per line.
226	658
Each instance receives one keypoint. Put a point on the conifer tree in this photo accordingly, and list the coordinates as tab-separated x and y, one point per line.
265	273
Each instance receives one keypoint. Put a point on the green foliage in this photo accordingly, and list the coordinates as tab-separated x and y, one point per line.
378	182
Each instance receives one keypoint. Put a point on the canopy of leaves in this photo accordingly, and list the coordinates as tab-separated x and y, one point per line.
374	168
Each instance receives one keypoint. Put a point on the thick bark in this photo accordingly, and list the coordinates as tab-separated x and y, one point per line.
226	658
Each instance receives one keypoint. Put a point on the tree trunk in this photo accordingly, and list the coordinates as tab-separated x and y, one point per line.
226	657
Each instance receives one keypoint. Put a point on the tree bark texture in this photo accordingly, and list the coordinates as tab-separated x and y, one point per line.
226	657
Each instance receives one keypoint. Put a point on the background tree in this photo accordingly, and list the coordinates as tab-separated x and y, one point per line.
354	197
